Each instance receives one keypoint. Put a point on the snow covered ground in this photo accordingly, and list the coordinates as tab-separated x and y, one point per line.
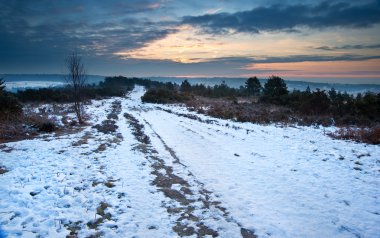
168	172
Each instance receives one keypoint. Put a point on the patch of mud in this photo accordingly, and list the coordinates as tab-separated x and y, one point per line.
109	126
138	129
6	148
106	127
3	170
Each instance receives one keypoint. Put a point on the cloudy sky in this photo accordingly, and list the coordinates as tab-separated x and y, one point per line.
194	38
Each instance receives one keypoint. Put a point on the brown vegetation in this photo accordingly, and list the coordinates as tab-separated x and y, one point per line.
367	135
248	109
34	120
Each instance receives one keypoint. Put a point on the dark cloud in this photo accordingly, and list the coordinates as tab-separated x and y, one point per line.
289	17
99	27
39	34
347	47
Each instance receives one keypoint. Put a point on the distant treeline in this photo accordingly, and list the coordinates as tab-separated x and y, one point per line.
111	86
344	108
108	88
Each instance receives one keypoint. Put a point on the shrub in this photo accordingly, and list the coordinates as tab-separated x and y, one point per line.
316	103
185	86
47	127
107	127
41	123
10	107
253	86
10	130
366	135
368	105
113	116
163	95
275	90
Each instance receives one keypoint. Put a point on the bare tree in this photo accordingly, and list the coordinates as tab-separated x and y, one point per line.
76	79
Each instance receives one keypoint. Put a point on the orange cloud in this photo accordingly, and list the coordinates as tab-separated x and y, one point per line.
183	47
187	45
365	69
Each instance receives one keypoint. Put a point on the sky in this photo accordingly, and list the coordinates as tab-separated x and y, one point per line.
309	39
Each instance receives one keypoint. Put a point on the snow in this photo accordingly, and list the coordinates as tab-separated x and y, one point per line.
276	181
63	177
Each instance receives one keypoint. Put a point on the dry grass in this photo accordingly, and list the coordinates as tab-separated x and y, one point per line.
36	119
40	122
247	110
14	130
250	110
367	135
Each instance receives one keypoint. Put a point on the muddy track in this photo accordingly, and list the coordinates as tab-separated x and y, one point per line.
101	177
189	202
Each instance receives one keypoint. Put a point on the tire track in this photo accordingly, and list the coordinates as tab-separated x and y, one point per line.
196	209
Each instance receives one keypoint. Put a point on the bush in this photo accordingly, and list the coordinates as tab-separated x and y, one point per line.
107	127
10	107
275	90
368	105
253	86
113	116
163	95
41	123
315	103
366	135
185	86
47	127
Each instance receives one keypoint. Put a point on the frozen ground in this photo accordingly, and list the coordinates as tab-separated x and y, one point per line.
168	172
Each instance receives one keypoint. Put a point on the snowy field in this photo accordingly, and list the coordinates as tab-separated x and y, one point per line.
168	172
